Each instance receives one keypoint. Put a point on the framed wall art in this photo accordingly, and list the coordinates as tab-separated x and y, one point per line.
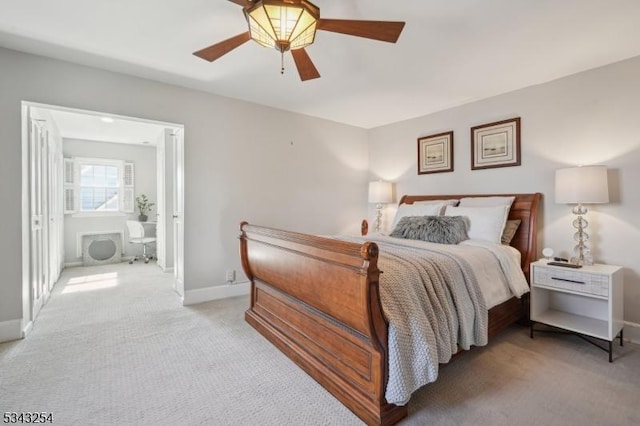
496	144
435	153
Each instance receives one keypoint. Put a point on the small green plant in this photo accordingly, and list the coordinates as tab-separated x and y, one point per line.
144	205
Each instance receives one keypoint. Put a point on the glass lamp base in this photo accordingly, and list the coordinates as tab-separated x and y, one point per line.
583	258
582	253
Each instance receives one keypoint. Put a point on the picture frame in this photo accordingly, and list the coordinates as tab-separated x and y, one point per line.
435	153
496	144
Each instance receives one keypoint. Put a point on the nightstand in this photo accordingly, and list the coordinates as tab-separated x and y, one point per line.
585	302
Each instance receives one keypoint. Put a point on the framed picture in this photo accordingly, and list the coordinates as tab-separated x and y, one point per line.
496	144
435	153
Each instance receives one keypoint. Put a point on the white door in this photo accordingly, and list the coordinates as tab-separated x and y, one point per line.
161	244
178	210
56	210
53	215
42	246
38	265
45	207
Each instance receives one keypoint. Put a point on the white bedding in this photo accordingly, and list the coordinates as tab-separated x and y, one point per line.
498	285
497	266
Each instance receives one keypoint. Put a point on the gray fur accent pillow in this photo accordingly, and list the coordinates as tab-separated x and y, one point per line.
434	229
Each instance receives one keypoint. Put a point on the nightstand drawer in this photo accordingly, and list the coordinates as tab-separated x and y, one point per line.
578	281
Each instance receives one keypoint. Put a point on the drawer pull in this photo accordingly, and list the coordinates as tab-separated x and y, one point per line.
569	281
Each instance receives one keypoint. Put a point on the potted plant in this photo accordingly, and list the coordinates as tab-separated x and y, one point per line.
144	207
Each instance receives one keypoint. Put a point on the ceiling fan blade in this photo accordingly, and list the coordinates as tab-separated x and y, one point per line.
378	30
306	69
244	3
215	51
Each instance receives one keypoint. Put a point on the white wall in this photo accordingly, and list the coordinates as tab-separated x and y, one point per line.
242	162
144	160
249	162
588	118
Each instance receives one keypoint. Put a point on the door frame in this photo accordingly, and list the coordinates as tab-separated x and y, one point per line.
178	210
27	296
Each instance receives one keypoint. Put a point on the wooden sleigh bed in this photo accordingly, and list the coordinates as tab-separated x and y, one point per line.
317	300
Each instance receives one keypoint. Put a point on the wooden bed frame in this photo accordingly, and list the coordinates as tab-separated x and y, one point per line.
317	300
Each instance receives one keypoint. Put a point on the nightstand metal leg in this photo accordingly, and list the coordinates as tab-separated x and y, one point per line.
621	331
608	347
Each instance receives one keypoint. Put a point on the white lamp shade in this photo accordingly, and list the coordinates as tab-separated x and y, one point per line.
380	192
587	184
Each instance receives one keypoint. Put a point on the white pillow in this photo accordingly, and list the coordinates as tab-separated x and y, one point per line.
485	223
428	208
486	201
444	203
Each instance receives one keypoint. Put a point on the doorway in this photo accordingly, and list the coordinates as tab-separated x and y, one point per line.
59	212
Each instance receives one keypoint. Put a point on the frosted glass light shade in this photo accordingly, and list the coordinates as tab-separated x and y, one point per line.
587	184
380	192
283	25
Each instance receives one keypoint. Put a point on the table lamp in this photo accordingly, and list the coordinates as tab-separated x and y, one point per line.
380	193
581	185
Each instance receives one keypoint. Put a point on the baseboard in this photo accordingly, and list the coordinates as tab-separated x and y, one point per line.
10	330
76	264
632	332
200	295
27	329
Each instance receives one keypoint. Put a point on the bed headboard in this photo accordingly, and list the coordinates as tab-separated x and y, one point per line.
524	207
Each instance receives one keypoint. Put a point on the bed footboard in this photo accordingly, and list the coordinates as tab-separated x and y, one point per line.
317	300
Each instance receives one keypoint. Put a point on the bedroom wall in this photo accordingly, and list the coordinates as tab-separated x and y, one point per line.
144	159
242	162
588	118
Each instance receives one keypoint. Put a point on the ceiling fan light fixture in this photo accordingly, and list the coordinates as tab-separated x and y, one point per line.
291	25
283	24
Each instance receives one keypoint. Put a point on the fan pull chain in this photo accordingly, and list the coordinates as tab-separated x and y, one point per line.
282	63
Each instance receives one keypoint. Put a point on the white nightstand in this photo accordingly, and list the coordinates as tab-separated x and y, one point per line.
586	301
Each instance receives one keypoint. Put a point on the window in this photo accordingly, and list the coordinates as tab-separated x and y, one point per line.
98	186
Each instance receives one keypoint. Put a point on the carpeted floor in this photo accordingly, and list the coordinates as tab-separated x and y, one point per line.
114	346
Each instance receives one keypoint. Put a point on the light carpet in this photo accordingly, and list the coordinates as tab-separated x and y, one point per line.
114	346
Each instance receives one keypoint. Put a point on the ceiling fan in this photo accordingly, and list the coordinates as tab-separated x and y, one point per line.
291	25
